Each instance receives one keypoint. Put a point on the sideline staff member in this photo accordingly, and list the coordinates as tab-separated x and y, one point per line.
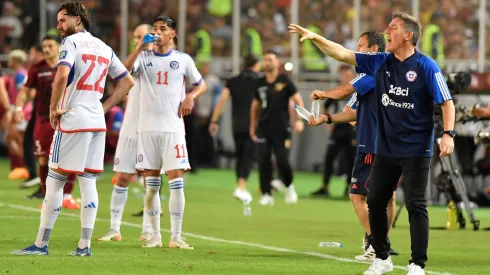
408	84
241	88
274	90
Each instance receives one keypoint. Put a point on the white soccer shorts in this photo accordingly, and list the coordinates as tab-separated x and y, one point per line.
125	157
158	150
78	152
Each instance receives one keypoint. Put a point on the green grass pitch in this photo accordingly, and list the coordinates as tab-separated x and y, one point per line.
282	239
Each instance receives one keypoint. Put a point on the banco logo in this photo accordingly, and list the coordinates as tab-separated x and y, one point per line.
398	91
385	99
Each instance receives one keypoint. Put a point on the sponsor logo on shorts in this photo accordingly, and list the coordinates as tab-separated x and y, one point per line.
116	161
140	158
183	161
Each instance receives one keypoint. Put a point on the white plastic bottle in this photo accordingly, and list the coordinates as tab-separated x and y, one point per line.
315	108
302	112
331	244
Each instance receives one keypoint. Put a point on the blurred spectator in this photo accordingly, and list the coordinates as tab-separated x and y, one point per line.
10	25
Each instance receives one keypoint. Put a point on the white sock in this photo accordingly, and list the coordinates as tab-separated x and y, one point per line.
51	206
90	202
152	203
118	201
146	228
176	205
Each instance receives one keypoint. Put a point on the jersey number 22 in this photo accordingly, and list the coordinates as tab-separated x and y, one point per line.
93	59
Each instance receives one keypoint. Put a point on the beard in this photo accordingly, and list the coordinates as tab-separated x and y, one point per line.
69	31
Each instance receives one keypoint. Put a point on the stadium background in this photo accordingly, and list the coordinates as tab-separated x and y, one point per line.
234	28
275	240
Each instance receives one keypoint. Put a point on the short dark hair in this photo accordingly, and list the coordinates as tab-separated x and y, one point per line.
271	52
52	37
74	8
165	19
411	24
250	60
376	38
37	47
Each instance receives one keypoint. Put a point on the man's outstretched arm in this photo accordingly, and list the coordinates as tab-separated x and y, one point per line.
335	50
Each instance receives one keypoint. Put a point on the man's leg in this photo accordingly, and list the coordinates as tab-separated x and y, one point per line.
358	190
281	145
415	176
175	163
29	158
384	176
150	158
330	155
245	150
265	170
391	212
68	153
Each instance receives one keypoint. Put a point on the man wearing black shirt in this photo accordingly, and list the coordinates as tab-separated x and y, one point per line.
270	110
241	88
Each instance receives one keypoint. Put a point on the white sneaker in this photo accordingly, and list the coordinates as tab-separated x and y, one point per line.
369	255
179	243
278	185
155	241
145	237
242	195
414	269
112	235
266	200
379	267
291	195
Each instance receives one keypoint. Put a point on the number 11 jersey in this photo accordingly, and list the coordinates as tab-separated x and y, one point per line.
162	78
90	60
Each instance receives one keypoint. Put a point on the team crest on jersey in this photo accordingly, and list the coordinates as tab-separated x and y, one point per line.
411	76
63	54
279	86
140	158
116	161
174	65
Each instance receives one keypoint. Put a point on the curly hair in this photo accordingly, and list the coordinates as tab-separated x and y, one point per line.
74	8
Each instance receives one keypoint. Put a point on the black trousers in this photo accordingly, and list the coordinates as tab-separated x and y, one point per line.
276	142
385	173
29	159
338	149
245	149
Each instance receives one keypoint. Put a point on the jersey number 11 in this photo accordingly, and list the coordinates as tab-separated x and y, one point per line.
165	78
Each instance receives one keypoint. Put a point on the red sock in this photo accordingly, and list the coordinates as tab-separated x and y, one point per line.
70	182
43	175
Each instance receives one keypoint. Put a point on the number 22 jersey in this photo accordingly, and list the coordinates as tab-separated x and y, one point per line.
90	60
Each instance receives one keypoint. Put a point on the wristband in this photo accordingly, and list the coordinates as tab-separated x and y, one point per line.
329	119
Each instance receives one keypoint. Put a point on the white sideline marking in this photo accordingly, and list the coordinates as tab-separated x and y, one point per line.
208	238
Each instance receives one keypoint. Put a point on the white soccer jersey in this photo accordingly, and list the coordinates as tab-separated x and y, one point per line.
162	79
90	61
129	128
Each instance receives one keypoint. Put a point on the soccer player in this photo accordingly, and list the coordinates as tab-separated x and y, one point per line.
126	155
77	115
40	78
161	136
363	98
270	110
408	84
241	88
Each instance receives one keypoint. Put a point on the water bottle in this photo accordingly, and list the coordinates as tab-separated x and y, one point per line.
302	112
331	244
247	210
315	108
452	216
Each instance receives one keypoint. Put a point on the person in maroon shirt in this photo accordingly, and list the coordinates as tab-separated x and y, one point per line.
41	77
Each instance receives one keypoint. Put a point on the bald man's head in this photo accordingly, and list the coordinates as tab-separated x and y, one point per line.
140	32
